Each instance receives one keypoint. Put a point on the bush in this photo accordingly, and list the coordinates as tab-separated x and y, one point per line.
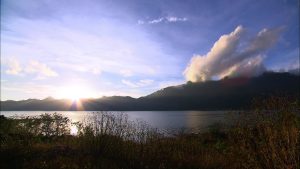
268	136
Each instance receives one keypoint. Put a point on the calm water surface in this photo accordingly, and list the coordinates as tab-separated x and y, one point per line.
164	120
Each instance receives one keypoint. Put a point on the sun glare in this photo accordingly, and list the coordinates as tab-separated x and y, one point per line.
74	93
73	130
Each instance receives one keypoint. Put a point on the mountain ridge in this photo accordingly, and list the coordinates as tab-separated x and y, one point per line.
224	94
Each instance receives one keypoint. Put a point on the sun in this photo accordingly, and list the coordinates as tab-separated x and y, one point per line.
75	96
74	93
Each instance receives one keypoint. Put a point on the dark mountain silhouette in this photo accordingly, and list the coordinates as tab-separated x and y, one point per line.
224	94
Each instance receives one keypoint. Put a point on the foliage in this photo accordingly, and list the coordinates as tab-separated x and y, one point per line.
266	137
269	136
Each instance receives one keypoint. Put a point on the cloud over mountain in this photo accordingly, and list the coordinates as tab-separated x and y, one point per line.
231	56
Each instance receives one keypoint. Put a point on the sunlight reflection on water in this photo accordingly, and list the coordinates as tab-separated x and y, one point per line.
163	120
73	130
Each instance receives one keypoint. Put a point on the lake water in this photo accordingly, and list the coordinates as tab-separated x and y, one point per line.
163	120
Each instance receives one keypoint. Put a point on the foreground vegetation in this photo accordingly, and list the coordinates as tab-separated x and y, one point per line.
266	137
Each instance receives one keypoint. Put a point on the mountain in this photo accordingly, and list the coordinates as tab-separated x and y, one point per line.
224	94
228	93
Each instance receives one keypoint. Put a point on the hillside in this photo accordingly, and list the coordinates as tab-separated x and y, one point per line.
224	94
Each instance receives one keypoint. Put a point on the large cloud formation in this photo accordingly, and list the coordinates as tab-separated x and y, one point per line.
230	56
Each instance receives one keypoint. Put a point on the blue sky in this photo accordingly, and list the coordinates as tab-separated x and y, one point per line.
100	48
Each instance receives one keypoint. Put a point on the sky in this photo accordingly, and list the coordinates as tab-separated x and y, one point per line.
95	48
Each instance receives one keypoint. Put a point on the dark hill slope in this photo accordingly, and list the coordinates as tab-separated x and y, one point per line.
225	94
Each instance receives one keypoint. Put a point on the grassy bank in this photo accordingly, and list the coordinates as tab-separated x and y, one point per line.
266	137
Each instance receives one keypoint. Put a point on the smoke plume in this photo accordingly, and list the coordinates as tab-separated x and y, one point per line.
231	56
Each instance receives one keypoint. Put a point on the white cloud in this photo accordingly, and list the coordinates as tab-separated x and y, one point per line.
226	58
158	20
96	71
165	84
140	22
18	91
145	82
42	70
140	83
132	93
175	19
34	67
14	67
163	19
129	83
126	72
101	47
249	67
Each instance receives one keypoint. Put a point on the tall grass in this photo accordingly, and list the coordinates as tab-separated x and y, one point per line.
266	137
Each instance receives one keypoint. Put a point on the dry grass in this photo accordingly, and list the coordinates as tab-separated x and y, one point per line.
267	137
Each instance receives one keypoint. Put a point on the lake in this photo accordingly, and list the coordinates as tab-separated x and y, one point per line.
163	120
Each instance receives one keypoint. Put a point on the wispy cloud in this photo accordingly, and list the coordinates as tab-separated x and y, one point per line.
165	84
96	71
126	72
33	67
158	20
140	83
42	70
14	67
163	19
18	91
112	42
176	19
111	48
287	61
227	58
